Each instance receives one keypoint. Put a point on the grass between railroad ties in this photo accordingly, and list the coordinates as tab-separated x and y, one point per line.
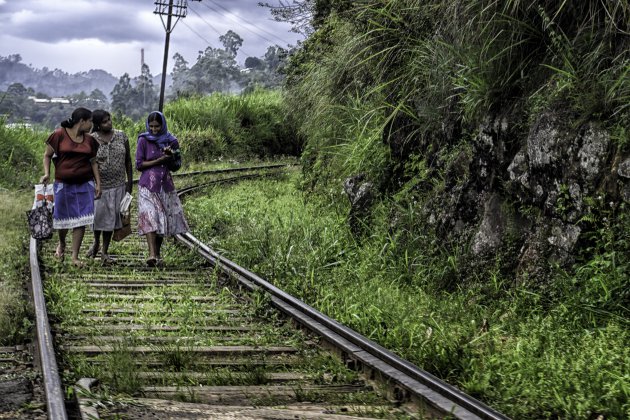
123	372
515	351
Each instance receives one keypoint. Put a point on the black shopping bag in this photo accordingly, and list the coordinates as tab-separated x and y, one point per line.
40	222
40	217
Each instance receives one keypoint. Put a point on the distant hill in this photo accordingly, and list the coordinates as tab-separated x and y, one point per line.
53	82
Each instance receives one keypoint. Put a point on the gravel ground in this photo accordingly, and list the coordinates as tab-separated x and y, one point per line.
21	391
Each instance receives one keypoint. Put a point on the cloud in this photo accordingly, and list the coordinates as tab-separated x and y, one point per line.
77	35
53	22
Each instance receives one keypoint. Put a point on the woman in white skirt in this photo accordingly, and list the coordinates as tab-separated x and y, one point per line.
114	163
160	211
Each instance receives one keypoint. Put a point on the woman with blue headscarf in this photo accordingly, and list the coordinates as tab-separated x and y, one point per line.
160	211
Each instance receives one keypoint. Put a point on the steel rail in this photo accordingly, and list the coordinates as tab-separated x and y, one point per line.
436	392
55	404
240	169
53	389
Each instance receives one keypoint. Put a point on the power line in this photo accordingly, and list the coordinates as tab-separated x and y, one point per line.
196	33
171	9
230	15
215	30
239	23
205	21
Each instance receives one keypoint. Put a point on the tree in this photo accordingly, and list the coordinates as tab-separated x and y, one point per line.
298	13
98	96
135	98
17	90
179	74
96	100
145	96
122	95
254	63
231	42
216	70
275	57
14	58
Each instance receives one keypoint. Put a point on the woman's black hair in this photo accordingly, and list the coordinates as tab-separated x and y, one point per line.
77	115
98	116
155	116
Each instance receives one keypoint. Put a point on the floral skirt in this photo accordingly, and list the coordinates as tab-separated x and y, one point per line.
74	205
160	212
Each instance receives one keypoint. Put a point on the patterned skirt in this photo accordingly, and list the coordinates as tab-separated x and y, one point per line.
160	212
74	205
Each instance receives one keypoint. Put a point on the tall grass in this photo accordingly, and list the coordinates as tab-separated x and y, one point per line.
524	354
21	157
435	69
14	313
256	124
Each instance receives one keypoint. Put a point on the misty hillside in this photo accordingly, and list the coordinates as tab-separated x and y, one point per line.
52	82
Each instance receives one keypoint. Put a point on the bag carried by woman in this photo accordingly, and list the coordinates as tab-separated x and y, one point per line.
40	217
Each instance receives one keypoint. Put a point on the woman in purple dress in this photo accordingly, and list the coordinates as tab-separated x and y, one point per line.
160	211
77	181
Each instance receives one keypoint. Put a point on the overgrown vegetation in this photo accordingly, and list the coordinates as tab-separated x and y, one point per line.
18	167
22	157
529	355
418	74
227	127
256	124
14	317
397	91
219	127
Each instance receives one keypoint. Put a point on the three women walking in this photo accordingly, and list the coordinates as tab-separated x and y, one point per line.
93	172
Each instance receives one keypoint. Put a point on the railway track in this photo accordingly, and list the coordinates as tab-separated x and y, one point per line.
206	338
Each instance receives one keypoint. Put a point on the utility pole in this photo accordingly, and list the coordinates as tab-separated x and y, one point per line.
171	9
144	86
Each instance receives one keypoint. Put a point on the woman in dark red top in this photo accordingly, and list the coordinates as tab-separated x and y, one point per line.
77	180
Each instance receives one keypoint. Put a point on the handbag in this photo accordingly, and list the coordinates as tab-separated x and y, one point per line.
125	216
123	232
175	164
40	217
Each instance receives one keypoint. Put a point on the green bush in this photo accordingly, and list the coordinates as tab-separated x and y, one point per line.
21	160
256	124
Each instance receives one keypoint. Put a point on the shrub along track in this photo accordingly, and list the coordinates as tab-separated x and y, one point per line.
205	338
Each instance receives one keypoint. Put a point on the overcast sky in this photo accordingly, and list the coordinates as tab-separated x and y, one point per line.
79	35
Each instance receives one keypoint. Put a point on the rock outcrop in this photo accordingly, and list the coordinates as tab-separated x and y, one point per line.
528	195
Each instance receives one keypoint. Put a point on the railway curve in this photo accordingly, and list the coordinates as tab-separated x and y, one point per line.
197	340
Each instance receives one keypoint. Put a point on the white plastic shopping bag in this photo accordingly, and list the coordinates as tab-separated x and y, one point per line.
43	195
125	203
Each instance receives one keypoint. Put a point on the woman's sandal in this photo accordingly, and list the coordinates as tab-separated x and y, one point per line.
107	260
92	252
